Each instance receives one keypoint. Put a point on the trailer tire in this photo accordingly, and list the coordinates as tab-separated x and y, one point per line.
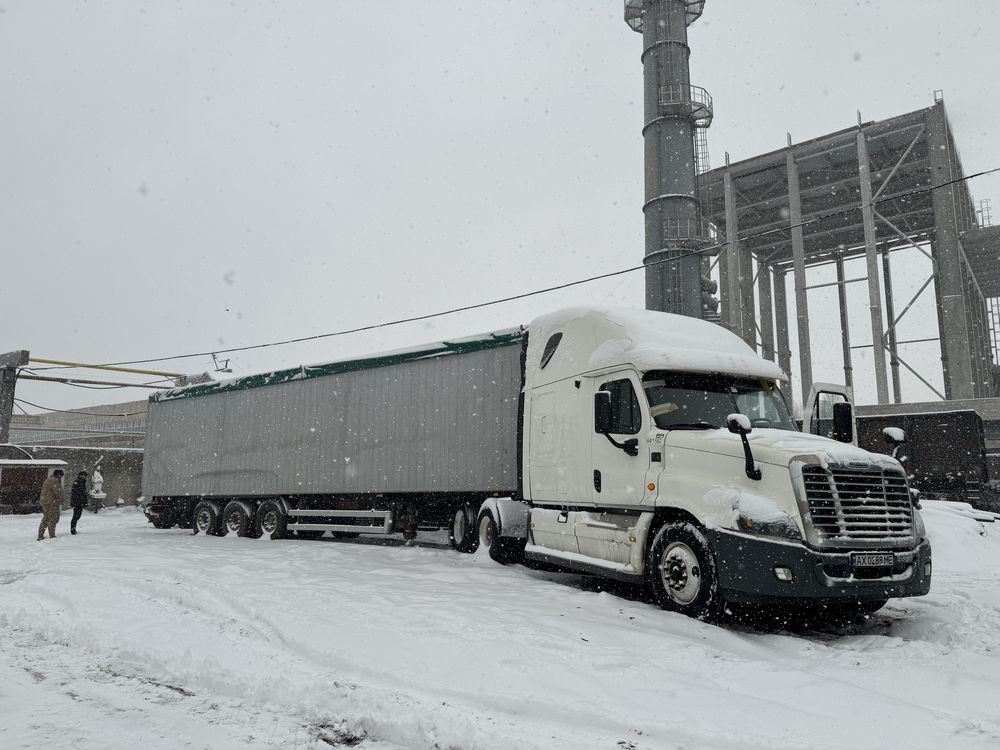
271	520
238	517
682	573
462	532
207	519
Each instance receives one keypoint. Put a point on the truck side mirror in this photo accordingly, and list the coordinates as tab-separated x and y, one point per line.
739	424
843	422
602	412
894	436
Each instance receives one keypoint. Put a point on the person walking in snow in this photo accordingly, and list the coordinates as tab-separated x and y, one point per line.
51	500
78	499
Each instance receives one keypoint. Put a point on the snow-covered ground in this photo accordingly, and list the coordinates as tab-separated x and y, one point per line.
129	637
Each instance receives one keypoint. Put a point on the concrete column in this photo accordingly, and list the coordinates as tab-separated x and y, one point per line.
956	357
871	258
9	363
845	325
766	314
799	273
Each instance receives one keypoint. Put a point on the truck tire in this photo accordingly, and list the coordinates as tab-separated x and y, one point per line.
238	518
503	550
207	519
682	574
271	520
462	532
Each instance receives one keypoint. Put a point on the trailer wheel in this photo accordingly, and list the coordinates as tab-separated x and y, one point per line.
271	520
238	518
207	519
462	533
681	571
503	550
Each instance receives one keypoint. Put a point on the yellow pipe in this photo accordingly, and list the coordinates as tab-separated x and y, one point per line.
106	367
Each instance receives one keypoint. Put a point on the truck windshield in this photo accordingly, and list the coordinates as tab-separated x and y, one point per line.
687	401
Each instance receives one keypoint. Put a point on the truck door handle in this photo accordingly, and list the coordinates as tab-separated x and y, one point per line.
563	516
597	479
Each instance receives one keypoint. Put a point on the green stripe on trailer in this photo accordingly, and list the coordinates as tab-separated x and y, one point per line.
304	372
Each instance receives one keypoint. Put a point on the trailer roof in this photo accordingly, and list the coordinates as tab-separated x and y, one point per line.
508	337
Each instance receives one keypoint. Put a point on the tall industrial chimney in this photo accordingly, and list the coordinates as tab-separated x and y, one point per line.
676	116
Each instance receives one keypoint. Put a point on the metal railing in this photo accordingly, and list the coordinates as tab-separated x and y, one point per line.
634	12
692	100
689	231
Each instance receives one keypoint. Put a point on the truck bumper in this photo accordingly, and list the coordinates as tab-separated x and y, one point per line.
747	572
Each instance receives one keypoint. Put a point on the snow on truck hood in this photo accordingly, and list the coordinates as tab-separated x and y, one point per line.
781	447
598	337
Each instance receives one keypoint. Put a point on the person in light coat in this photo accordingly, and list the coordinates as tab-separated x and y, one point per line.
51	500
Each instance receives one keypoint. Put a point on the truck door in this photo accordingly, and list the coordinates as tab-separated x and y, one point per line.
618	478
829	412
559	451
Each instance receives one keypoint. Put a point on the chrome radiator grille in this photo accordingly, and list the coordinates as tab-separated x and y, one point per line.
858	504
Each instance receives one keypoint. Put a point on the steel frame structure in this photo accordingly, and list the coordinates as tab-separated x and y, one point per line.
863	192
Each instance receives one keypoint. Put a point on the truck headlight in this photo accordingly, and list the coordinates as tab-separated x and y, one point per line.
780	525
919	530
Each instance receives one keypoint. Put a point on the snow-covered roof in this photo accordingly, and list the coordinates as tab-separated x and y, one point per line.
596	338
31	462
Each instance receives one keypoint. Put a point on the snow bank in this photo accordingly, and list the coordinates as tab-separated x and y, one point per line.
126	636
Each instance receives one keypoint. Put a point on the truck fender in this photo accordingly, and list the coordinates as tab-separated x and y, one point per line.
511	516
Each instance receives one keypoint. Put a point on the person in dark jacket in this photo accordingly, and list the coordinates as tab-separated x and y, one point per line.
78	499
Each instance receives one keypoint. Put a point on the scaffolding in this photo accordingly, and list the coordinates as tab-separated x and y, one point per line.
865	192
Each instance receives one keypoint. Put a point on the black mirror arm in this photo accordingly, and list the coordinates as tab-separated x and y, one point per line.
630	446
751	468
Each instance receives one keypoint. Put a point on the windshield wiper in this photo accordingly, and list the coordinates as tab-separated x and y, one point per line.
691	426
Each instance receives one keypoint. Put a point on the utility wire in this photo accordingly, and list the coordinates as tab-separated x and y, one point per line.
76	411
557	287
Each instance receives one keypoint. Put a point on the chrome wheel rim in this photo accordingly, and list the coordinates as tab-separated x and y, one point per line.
486	532
680	572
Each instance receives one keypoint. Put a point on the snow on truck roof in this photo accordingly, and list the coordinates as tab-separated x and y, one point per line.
605	336
649	340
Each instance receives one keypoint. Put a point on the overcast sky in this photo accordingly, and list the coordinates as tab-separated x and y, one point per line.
192	175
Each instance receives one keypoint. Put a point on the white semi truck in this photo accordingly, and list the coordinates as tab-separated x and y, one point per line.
640	446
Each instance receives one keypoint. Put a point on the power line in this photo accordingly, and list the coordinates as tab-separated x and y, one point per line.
555	288
75	411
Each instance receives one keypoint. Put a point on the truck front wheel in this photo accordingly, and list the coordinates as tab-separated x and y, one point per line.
271	520
681	571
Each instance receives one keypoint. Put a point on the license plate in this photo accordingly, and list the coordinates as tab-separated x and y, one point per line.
872	560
